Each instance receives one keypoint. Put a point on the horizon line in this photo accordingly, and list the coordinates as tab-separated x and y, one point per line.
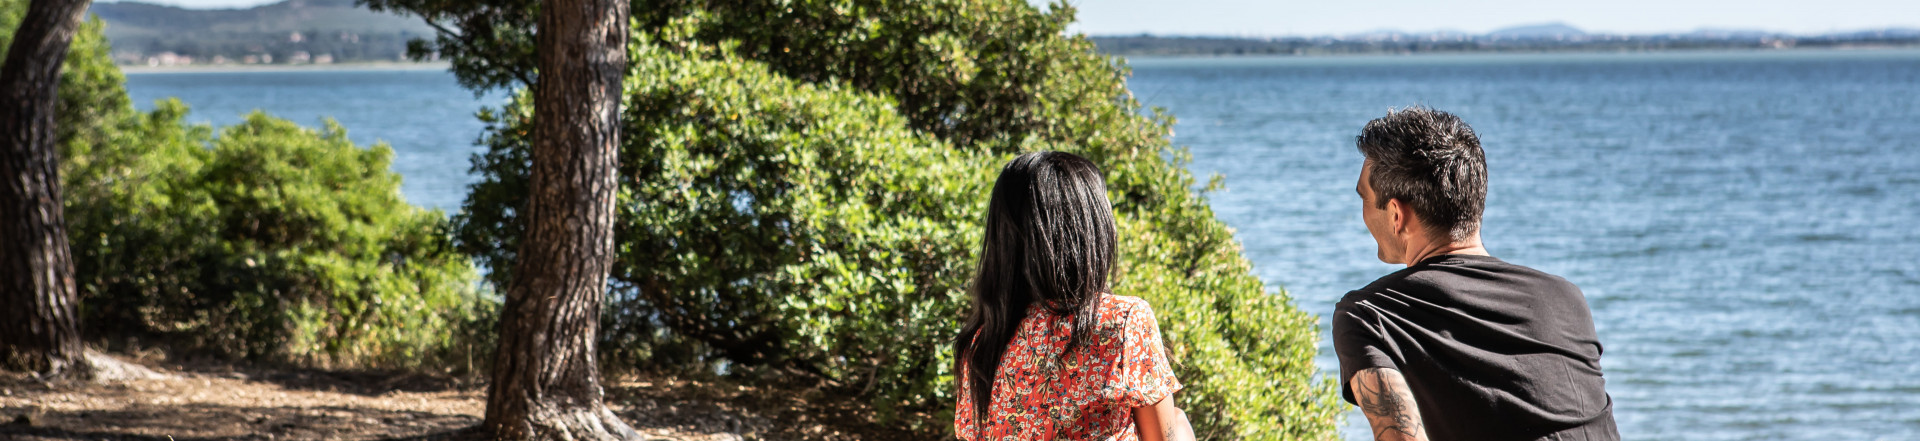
1915	28
251	4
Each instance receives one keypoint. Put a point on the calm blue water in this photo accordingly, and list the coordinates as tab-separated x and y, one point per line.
422	113
1743	224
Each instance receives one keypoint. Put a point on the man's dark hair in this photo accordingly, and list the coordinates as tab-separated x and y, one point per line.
1431	161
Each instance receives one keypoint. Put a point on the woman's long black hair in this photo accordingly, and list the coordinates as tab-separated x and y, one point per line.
1050	240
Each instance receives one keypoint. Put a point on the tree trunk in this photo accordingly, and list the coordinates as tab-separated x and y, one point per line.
546	384
39	329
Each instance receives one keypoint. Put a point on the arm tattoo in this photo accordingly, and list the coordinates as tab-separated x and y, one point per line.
1166	432
1388	404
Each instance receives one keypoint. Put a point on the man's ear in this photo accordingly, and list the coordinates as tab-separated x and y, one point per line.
1398	217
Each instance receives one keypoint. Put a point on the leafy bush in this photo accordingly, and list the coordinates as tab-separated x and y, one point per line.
278	243
802	184
769	222
271	241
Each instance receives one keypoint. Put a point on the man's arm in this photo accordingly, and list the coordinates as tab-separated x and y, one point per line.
1388	403
1162	422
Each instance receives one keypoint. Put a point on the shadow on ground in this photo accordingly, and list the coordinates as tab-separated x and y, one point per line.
368	383
217	422
233	422
225	402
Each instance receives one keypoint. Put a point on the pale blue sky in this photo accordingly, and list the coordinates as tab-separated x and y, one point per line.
1268	17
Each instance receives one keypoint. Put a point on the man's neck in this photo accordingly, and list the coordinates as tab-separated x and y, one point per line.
1469	246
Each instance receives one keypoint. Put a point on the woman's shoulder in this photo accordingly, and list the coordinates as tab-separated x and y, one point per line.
1124	310
1116	302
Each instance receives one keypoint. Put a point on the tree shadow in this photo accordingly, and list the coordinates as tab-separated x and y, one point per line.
29	433
362	382
199	421
470	433
772	410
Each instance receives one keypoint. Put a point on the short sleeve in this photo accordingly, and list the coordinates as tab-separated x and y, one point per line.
1359	343
1144	375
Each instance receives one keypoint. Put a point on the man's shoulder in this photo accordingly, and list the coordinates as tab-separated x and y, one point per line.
1520	270
1536	282
1398	282
1460	280
1476	272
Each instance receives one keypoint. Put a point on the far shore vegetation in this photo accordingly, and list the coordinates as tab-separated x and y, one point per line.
336	32
350	66
1569	41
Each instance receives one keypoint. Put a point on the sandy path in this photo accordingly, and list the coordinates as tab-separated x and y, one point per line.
220	403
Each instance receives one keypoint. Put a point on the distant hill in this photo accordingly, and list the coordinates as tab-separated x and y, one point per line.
293	31
1549	30
337	31
1552	37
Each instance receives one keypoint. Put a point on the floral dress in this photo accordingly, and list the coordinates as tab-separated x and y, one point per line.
1089	394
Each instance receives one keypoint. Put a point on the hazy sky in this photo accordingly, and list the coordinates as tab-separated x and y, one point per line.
1274	17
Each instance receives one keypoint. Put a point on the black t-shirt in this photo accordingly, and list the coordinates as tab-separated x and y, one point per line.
1492	350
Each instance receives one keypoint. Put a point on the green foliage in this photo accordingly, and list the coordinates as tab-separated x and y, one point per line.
278	243
271	241
802	183
490	42
1000	75
92	91
768	222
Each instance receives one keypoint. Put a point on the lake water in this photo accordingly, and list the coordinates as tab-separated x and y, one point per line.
422	113
1743	224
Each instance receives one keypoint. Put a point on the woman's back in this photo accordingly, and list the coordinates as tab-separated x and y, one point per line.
1039	393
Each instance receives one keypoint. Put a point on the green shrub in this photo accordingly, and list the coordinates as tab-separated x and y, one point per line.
271	241
278	243
802	184
769	222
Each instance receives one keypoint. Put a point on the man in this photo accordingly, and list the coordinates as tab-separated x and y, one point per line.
1459	345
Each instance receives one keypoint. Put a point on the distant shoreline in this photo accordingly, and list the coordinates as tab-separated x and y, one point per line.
442	66
1443	53
1709	52
228	68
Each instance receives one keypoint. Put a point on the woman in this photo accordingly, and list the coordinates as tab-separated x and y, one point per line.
1048	353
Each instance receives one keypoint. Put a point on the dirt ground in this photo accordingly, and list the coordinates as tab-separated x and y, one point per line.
234	403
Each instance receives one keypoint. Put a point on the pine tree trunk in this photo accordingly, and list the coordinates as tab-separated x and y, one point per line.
39	327
545	382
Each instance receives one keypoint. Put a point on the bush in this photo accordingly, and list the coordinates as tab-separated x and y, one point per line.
802	184
278	243
768	222
269	242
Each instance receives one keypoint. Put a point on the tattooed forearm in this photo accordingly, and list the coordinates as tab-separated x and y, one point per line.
1388	404
1162	421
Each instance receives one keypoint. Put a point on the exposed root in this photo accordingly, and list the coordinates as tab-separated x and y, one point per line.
592	423
105	369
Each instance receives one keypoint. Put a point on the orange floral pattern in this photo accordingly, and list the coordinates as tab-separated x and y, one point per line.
1089	394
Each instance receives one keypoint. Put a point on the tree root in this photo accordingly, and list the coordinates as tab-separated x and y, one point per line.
592	423
107	368
98	367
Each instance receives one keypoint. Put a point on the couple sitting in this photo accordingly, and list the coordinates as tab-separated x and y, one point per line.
1457	346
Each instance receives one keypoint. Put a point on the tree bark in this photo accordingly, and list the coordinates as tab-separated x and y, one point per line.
39	326
545	383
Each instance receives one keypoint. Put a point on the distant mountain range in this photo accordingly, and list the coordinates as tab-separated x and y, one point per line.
337	31
1550	37
293	31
